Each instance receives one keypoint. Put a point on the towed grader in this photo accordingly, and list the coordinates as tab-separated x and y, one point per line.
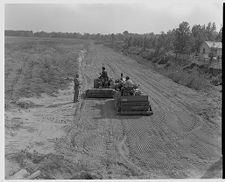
128	101
131	101
102	89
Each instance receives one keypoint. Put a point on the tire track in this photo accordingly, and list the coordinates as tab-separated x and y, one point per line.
168	106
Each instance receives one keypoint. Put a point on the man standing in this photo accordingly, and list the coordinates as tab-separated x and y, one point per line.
76	88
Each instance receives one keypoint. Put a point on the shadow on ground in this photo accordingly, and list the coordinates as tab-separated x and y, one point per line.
108	111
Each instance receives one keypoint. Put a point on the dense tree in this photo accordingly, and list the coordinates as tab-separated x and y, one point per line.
182	42
125	33
198	36
160	43
112	39
219	36
184	39
144	44
18	33
210	31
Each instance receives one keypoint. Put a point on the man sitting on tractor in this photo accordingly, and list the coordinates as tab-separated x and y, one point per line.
121	82
128	87
128	82
122	78
104	77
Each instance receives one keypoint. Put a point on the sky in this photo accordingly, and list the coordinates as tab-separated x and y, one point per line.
99	17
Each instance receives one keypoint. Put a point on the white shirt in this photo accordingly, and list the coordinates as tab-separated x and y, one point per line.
123	79
128	83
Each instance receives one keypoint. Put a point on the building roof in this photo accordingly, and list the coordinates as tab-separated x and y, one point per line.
213	44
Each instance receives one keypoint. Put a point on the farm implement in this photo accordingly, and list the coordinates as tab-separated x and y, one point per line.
131	101
132	105
102	89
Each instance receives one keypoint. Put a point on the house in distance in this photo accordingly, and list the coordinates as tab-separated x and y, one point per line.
211	50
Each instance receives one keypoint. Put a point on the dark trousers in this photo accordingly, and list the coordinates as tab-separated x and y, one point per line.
76	94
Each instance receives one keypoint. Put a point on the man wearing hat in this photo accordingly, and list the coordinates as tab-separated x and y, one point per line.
127	88
104	76
128	83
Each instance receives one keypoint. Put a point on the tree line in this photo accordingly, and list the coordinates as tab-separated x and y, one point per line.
181	40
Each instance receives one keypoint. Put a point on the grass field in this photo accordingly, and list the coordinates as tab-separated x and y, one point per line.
38	65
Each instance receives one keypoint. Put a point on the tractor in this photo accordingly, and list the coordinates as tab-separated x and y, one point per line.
102	89
131	101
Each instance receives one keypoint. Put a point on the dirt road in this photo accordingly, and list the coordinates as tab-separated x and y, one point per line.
178	141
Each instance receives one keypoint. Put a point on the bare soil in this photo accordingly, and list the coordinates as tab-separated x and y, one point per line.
182	139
